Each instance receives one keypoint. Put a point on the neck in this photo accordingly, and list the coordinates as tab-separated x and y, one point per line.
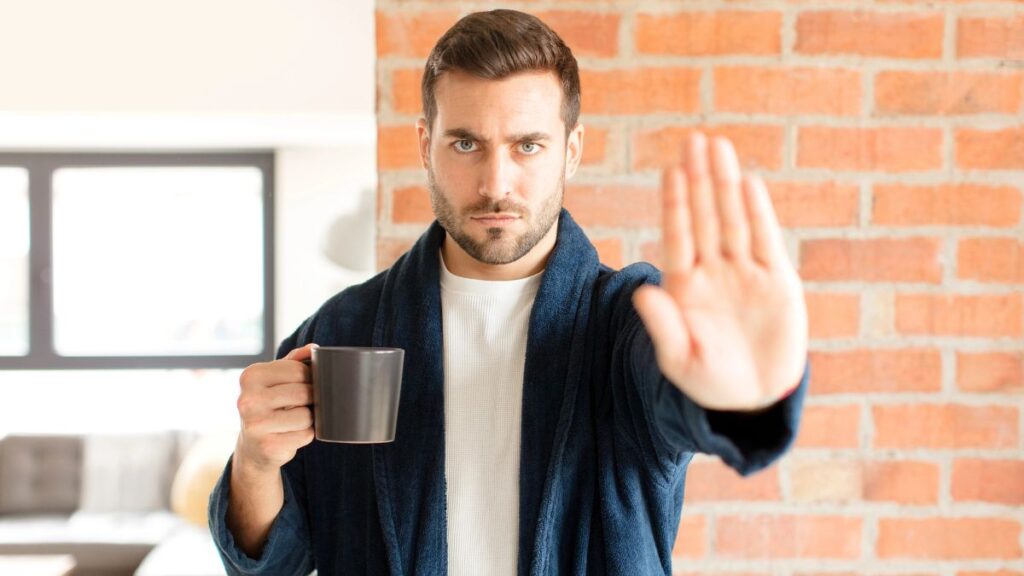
462	264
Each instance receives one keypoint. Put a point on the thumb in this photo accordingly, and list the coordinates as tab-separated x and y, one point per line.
661	317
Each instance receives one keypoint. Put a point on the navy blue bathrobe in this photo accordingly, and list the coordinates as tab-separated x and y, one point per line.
606	439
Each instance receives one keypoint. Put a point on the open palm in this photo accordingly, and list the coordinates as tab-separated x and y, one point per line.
729	322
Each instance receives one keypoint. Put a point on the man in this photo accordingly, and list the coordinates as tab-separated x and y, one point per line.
550	405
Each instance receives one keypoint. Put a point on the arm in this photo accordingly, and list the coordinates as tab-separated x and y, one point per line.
747	441
285	550
258	507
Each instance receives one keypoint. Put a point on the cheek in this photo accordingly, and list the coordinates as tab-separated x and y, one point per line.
541	177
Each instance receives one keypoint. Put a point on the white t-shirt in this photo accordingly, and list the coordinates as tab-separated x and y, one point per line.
484	329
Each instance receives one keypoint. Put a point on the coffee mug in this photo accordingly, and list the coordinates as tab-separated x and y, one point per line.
355	393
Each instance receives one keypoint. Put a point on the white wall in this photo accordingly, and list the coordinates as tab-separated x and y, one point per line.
224	56
131	75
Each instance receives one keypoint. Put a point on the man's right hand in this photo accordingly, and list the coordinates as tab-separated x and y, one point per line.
276	421
274	405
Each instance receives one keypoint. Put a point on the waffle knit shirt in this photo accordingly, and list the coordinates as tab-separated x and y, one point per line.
484	326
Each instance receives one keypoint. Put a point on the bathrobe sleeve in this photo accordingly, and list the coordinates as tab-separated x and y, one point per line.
287	551
745	441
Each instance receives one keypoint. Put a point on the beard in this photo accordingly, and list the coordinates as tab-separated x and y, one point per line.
501	246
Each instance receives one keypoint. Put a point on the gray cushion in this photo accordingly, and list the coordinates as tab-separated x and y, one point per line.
40	474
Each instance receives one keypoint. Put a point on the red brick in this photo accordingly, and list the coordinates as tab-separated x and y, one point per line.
994	36
983	480
609	251
945	426
397	147
587	33
614	206
864	371
640	91
947	93
709	33
850	480
827	426
757	146
651	252
948	538
792	91
960	315
991	260
405	91
815	204
901	481
712	480
691	537
946	205
411	33
411	205
833	315
824	480
990	371
766	537
990	149
872	260
865	33
867	149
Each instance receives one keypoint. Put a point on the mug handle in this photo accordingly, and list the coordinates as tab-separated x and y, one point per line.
312	412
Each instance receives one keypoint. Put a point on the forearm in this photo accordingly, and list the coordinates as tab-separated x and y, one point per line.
255	498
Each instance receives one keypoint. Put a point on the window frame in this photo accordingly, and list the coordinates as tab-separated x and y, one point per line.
41	166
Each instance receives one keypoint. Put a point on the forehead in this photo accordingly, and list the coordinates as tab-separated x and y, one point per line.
522	102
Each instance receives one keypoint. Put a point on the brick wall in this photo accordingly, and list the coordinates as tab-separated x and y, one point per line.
892	138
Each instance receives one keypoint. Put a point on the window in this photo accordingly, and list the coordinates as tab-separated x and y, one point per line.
140	260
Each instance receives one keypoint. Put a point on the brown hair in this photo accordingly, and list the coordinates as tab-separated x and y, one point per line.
496	44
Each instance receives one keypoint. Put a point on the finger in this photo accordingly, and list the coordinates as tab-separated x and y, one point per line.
289	420
703	214
660	315
290	395
768	246
298	438
302	353
284	371
676	234
735	230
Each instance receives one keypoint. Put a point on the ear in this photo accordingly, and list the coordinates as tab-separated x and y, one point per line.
573	151
423	134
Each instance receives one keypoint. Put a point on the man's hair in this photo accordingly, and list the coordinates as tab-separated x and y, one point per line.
497	44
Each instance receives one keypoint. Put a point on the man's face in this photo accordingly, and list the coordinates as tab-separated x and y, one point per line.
497	158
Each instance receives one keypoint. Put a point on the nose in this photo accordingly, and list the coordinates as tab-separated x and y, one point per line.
496	179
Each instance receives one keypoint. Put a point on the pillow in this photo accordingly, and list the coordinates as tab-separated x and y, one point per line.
128	473
198	474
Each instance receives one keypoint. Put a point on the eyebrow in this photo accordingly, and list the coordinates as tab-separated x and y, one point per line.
462	133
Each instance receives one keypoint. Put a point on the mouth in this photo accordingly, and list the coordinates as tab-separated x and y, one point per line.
496	220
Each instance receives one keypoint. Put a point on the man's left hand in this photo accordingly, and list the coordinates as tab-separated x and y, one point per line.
729	322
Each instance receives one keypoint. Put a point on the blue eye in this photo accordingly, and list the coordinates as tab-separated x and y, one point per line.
465	145
529	147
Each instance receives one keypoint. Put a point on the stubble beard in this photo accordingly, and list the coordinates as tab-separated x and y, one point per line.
500	246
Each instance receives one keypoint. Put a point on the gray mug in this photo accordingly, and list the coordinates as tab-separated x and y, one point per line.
355	393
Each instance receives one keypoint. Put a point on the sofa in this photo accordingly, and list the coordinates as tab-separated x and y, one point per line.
107	500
